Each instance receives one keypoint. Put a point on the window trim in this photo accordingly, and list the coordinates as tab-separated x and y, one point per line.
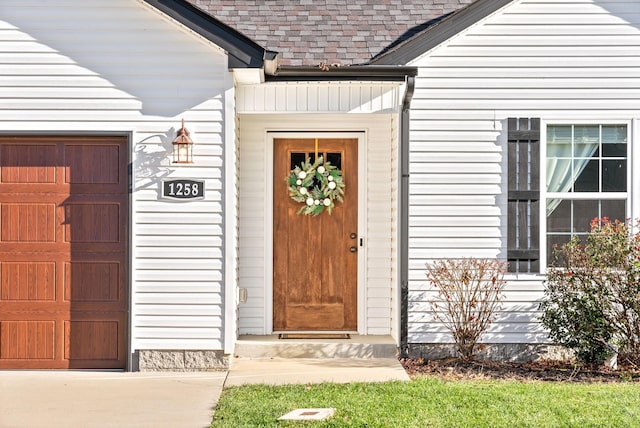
544	195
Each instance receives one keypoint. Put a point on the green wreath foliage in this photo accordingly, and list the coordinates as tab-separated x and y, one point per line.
316	185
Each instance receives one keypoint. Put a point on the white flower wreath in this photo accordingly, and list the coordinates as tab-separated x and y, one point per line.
316	185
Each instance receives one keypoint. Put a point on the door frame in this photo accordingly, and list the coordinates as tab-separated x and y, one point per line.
270	137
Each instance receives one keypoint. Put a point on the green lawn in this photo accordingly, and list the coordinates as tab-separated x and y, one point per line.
429	402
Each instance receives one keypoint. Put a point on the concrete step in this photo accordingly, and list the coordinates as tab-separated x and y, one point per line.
282	371
355	347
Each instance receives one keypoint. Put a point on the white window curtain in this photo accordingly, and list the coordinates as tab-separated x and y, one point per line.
561	156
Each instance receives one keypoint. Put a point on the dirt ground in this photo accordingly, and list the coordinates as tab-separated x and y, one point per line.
547	371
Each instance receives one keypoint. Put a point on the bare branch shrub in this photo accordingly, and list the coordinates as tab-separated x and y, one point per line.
469	293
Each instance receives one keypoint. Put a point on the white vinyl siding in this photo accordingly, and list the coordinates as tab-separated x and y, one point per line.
395	236
380	281
119	66
572	61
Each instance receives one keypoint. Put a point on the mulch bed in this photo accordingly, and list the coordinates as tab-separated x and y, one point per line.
547	371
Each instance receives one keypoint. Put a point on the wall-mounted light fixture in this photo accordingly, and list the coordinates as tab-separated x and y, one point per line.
182	146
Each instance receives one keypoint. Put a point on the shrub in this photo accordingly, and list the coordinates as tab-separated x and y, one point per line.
592	293
469	292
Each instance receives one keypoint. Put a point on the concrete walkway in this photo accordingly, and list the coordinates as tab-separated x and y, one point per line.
89	399
93	399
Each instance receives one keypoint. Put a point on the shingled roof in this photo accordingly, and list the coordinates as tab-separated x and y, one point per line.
345	32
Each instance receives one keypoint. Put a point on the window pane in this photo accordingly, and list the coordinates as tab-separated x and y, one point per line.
614	175
559	141
586	140
614	150
559	219
559	175
335	159
614	209
583	213
587	177
312	157
614	140
297	159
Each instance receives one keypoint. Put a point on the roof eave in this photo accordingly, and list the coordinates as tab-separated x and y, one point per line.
433	36
243	52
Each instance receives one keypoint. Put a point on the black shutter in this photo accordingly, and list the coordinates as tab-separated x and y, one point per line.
523	217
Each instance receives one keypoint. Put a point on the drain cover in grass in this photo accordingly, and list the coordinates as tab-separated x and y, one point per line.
307	415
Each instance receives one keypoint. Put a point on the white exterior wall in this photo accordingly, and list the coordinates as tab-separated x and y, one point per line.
378	311
395	235
573	61
119	66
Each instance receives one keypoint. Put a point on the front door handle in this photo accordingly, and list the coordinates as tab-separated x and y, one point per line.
353	249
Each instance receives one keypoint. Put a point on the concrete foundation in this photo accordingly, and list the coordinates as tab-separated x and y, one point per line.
512	352
186	361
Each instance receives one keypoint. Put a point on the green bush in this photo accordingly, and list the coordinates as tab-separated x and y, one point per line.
592	293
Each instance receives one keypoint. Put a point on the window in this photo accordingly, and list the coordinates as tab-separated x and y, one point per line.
586	177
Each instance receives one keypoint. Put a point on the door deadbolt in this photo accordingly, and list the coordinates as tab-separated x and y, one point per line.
353	235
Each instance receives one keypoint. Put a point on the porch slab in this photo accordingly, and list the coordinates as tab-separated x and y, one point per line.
282	371
270	346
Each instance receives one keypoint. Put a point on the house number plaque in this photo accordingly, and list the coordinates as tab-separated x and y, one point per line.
183	189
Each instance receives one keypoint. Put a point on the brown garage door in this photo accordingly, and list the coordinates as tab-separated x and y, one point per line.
63	252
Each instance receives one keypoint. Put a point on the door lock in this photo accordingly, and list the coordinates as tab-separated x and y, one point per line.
353	249
353	235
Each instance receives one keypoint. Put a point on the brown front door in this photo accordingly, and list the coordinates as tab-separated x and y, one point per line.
63	252
315	259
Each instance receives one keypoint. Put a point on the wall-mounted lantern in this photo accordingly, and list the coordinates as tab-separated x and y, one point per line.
182	146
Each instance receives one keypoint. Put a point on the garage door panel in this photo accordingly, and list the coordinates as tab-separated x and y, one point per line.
27	340
92	164
92	223
27	281
63	252
27	163
92	340
93	281
28	222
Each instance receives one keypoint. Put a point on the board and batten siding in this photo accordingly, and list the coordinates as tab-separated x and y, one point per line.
325	113
121	67
572	61
318	97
